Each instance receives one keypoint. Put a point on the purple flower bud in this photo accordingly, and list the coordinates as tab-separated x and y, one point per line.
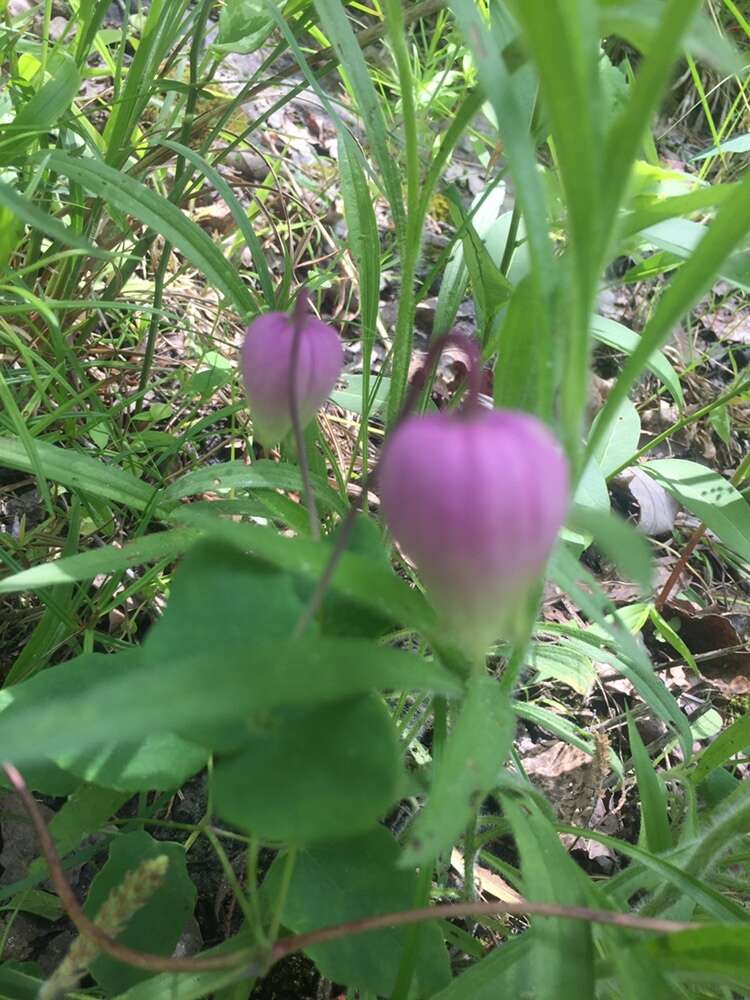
476	500
266	370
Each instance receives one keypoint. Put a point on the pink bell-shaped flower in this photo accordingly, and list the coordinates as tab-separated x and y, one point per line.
268	355
476	500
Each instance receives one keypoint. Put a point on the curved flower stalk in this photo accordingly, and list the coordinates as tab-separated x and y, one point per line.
476	499
288	361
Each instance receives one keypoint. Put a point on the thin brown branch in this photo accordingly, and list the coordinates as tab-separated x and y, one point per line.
140	959
630	921
679	567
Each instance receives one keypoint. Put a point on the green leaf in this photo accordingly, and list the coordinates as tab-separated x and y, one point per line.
737	144
103	700
709	496
337	27
243	26
632	661
506	968
620	441
525	369
42	111
351	396
310	774
261	475
709	899
155	927
162	762
591	492
357	577
473	758
681	237
128	195
564	664
654	818
733	740
696	276
562	959
349	880
239	214
110	559
615	335
31	215
716	956
619	540
79	472
364	245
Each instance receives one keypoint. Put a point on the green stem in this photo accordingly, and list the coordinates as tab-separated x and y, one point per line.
153	326
410	238
739	387
408	964
280	901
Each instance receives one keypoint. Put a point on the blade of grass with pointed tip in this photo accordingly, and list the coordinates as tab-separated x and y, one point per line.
129	195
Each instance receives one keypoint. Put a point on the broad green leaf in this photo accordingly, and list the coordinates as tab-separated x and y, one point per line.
615	335
101	700
162	762
591	492
350	397
356	577
110	559
468	769
17	984
243	26
637	20
348	880
564	664
733	740
79	472
314	773
620	442
655	830
562	958
157	926
709	496
129	195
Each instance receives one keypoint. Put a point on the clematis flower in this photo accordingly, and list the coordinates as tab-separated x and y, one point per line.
267	357
476	500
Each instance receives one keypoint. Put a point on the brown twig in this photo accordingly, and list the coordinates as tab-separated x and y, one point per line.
451	910
86	927
259	962
298	319
679	567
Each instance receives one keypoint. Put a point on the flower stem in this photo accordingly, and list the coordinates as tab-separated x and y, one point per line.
300	312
